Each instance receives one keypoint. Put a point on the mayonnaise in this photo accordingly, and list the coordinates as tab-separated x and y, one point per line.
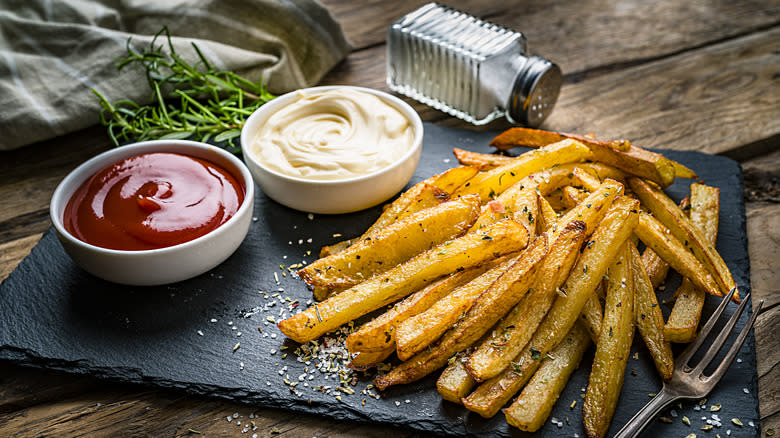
335	134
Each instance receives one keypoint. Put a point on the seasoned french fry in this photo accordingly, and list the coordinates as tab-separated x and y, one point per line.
498	349
612	232
479	160
681	171
572	196
493	182
591	315
378	335
649	319
419	331
535	138
393	245
455	382
518	202
684	319
658	238
532	407
592	209
472	249
655	267
547	216
368	359
504	293
420	196
666	211
612	349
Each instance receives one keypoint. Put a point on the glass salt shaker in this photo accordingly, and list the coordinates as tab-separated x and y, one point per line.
469	68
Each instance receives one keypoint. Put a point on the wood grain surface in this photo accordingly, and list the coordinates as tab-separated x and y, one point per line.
699	75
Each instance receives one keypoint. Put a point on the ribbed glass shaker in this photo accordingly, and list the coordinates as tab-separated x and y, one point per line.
469	68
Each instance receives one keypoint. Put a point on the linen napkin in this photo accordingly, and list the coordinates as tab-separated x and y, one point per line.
53	51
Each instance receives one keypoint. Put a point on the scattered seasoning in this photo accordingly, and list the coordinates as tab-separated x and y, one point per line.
193	431
686	421
737	422
237	346
535	354
706	427
665	419
573	404
715	408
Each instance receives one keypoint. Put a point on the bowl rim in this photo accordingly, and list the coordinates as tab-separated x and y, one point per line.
78	175
287	98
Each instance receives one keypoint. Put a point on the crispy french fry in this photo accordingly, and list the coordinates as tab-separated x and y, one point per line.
612	349
535	138
666	211
479	160
655	266
532	407
684	319
681	171
455	382
393	245
592	209
421	195
491	183
658	238
419	331
591	315
368	359
472	249
504	293
572	196
612	232
518	203
498	349
547	216
378	335
649	319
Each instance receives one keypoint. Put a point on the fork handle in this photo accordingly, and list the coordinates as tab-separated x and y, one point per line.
646	414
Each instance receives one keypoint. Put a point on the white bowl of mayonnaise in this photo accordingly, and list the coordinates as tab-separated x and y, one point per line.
332	149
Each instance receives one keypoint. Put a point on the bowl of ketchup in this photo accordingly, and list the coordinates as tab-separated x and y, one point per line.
154	212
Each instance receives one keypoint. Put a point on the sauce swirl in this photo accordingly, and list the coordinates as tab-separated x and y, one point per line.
152	201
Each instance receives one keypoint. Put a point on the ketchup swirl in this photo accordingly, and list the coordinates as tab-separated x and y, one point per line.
152	201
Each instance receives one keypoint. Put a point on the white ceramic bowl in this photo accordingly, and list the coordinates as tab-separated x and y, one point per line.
164	265
338	196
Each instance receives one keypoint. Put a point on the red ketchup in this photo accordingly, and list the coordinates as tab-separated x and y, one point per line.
152	201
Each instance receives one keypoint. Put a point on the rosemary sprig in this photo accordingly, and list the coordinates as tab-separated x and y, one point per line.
186	102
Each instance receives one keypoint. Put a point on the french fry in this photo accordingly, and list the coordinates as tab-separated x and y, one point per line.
532	407
505	292
493	182
535	138
498	349
648	318
681	171
572	196
378	335
547	216
393	245
612	349
592	209
455	382
592	314
421	195
612	232
666	211
518	202
368	359
655	267
480	161
658	238
634	160
472	249
684	319
419	331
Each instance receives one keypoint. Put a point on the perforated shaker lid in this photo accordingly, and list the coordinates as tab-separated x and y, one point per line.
535	92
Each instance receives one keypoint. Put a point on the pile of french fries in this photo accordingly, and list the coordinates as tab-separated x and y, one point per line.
503	270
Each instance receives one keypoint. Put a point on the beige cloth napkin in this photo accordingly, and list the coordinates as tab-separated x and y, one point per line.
53	51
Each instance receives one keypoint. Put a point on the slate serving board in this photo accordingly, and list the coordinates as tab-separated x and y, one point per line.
182	336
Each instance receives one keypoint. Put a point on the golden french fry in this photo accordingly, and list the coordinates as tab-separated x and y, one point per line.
393	245
592	209
535	138
378	335
649	319
369	359
532	407
592	314
666	211
547	216
495	353
518	202
655	267
681	171
612	232
419	331
658	238
684	319
504	293
472	249
479	160
572	196
493	182
612	349
455	382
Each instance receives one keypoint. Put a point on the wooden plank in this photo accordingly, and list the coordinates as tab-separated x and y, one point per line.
11	253
763	229
713	100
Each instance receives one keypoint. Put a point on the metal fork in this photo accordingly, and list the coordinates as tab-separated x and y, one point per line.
690	382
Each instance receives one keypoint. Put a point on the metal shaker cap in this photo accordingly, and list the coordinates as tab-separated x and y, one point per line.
535	92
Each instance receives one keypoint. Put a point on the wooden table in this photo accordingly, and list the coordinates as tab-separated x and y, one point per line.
687	75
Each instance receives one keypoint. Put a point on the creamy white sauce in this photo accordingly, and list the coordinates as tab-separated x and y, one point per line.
332	135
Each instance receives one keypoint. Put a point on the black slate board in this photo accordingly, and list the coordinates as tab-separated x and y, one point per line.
55	315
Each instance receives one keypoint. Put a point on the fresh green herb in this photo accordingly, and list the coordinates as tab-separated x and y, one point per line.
187	100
